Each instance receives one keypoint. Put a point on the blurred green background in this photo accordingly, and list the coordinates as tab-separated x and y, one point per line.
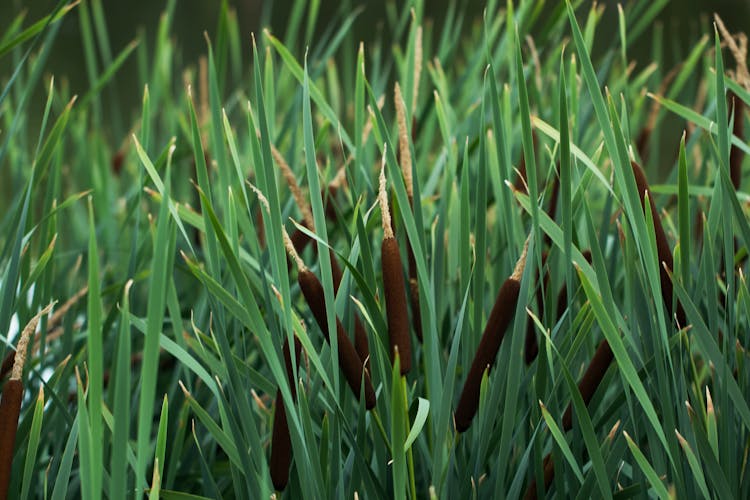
680	19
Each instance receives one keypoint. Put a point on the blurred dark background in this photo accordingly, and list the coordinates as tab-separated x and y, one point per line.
127	20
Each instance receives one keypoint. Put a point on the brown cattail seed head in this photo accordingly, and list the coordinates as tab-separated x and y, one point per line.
349	362
501	315
591	379
394	290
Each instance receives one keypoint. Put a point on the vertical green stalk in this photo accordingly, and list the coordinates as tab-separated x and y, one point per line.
95	352
157	286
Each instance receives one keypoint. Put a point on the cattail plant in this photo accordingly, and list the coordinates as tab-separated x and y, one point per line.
349	361
52	322
405	160
10	404
591	379
500	318
663	251
394	288
300	240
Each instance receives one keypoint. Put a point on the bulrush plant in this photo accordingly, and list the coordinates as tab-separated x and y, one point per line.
500	318
11	400
405	160
300	240
350	363
394	288
317	112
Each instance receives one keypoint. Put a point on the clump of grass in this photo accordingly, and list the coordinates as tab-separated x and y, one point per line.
215	323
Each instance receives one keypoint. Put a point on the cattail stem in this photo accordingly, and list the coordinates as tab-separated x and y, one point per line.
500	317
591	379
664	253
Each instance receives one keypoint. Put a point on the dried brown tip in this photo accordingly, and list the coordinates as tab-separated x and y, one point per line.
591	379
292	251
417	68
349	361
394	290
521	262
261	197
385	212
549	475
23	342
403	143
291	180
501	315
662	246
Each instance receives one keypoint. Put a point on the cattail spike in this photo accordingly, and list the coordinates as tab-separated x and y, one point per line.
23	342
292	251
291	180
383	199
521	262
591	379
394	290
403	143
10	404
349	361
417	68
501	315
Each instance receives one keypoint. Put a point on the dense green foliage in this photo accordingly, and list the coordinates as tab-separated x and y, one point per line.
161	368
